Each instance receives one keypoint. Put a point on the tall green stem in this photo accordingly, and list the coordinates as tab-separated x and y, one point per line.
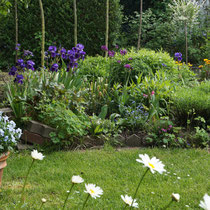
85	201
68	195
16	30
107	27
22	193
43	33
186	44
140	26
75	22
139	186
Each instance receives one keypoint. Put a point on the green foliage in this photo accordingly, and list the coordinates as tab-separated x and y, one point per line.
188	98
68	124
59	26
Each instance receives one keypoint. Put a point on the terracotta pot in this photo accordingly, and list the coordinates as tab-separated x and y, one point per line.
3	163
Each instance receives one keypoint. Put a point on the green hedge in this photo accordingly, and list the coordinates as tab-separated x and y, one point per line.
144	61
197	98
59	26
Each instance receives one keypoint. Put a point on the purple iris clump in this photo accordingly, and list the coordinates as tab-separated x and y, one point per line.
123	51
63	53
127	66
179	58
13	71
111	53
28	53
19	79
130	59
164	65
104	48
54	67
30	65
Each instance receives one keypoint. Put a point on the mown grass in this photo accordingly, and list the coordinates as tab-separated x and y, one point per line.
116	172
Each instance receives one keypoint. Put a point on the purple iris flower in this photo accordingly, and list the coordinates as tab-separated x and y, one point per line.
130	59
17	47
163	64
116	46
111	53
19	78
123	52
178	54
28	53
13	71
52	48
127	66
104	48
179	58
80	47
30	65
118	61
54	67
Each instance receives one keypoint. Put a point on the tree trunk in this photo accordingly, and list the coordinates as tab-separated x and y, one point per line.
16	30
43	33
75	22
140	26
186	46
107	27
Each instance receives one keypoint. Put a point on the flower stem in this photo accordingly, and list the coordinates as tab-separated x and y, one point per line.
85	201
139	186
68	196
167	205
41	205
125	206
22	193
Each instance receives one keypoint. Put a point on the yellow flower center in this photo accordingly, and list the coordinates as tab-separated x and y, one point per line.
92	191
151	165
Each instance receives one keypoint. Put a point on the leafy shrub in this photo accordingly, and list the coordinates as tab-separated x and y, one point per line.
188	98
68	124
59	26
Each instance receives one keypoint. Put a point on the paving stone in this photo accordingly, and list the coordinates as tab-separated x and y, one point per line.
93	141
21	146
7	111
31	137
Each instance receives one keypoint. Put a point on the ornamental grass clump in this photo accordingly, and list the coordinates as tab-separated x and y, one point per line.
8	134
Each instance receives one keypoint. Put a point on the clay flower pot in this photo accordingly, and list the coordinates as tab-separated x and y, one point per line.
3	163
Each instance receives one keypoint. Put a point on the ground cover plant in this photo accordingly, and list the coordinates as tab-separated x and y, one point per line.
186	168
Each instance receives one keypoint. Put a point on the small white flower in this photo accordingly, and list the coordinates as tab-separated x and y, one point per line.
67	191
175	197
128	200
206	203
37	155
175	174
188	175
44	200
153	193
187	206
77	179
178	177
93	190
153	164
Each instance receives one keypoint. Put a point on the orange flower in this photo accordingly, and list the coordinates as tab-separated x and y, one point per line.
208	62
205	60
201	66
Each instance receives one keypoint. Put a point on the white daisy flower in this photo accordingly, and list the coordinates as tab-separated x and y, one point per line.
37	155
44	200
206	203
175	197
93	190
153	164
128	200
77	179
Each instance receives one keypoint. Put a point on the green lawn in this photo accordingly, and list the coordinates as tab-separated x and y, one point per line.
116	172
